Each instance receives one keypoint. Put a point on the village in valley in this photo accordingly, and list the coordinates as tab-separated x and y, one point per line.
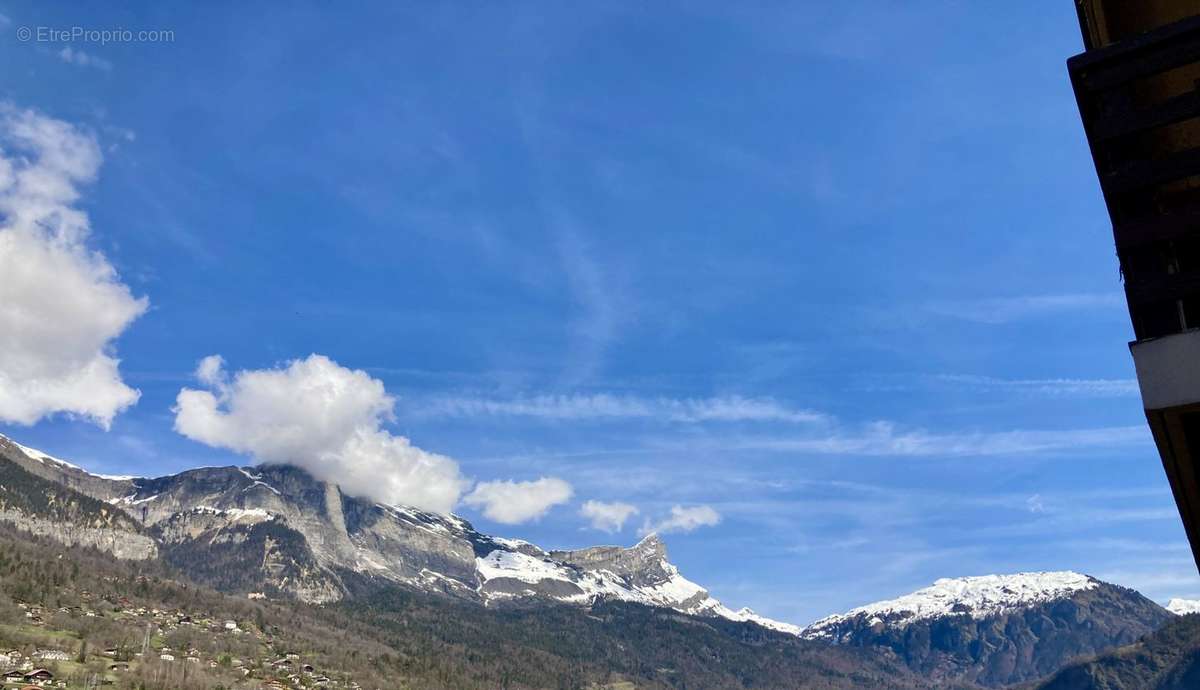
95	641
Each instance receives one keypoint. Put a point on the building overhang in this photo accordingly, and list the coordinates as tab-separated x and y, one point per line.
1168	370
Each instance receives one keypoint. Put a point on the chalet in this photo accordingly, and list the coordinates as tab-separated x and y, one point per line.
167	657
231	625
39	676
53	655
13	677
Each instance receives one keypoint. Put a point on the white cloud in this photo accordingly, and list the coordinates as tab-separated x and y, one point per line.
607	517
61	303
211	370
731	408
72	56
324	418
513	503
684	519
1035	504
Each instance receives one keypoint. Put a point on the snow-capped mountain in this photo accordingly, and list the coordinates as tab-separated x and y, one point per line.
278	531
308	540
639	574
978	597
997	629
1182	607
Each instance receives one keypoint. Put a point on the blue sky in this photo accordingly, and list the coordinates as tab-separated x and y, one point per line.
840	274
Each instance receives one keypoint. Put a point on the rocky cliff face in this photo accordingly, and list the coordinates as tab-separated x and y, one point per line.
997	630
277	530
42	507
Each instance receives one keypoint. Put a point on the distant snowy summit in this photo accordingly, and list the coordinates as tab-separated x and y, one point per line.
972	628
1182	607
979	597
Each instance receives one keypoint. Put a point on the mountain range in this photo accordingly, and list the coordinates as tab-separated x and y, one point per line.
273	531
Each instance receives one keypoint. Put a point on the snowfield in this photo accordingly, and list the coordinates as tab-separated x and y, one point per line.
980	597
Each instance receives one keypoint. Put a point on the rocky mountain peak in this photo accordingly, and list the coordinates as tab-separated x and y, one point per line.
643	563
651	547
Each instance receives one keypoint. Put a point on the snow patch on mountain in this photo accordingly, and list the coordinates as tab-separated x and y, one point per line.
518	566
1182	607
132	500
43	457
243	515
745	614
580	585
979	597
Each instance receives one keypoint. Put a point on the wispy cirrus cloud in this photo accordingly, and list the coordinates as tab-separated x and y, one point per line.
999	310
1066	387
886	438
79	58
578	407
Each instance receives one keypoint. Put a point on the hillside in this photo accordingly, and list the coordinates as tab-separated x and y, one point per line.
1168	659
83	602
39	506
